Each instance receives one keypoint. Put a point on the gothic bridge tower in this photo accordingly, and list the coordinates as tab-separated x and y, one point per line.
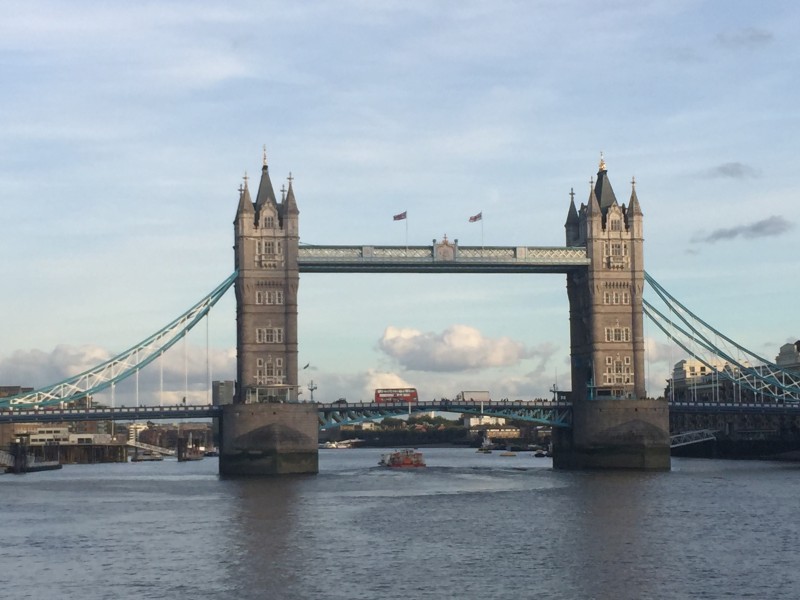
266	242
614	424
266	430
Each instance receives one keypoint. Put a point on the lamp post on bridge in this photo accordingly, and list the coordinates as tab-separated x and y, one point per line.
311	387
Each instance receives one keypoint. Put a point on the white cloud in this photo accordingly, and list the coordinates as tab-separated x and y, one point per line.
457	348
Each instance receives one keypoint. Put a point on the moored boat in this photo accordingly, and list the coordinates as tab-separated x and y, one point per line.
188	454
146	456
189	450
402	459
34	467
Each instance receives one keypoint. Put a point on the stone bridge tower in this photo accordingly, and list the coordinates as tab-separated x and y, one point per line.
614	424
266	241
266	431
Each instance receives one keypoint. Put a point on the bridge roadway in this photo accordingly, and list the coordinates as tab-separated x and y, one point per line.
545	412
330	415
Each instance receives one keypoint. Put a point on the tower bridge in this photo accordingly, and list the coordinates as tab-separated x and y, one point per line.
614	423
610	422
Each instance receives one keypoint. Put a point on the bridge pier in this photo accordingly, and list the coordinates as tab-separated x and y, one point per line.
615	434
268	439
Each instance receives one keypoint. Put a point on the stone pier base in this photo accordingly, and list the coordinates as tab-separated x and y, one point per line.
615	434
269	439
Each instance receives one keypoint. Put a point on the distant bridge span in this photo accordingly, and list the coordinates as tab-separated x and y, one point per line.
551	413
555	414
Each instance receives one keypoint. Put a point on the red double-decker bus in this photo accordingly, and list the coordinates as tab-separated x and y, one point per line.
407	395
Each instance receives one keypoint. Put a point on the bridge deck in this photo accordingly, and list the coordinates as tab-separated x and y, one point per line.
556	413
422	259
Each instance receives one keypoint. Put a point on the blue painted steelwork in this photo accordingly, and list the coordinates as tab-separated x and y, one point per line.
767	380
791	409
125	413
123	365
694	337
554	414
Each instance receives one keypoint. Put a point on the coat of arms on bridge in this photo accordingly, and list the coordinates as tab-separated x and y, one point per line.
445	250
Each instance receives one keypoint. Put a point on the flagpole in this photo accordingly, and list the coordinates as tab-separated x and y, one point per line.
481	232
406	220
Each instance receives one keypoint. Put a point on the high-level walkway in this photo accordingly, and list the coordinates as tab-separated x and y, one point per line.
440	257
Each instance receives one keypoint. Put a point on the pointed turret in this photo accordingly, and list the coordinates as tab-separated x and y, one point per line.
245	203
633	214
572	225
602	189
266	195
633	205
572	214
592	207
289	205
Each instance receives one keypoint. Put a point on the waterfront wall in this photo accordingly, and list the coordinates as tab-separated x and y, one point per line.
738	426
269	439
80	454
751	435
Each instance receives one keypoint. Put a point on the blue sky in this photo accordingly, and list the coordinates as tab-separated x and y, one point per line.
127	128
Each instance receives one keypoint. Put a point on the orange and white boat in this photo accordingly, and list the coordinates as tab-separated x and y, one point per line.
402	459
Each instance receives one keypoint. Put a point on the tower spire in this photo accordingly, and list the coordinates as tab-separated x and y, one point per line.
245	203
633	205
602	189
289	203
265	195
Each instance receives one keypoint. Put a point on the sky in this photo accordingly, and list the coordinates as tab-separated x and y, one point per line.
127	128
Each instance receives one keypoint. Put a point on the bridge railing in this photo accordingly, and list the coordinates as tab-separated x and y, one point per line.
367	258
130	413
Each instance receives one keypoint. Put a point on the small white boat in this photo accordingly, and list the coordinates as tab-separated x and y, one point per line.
486	445
146	456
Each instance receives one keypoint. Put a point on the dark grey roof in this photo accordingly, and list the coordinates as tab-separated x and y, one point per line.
603	190
633	205
265	192
245	203
289	206
572	214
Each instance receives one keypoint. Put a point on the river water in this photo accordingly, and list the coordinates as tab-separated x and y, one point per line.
469	526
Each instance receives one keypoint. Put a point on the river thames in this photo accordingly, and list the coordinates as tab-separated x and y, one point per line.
469	526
